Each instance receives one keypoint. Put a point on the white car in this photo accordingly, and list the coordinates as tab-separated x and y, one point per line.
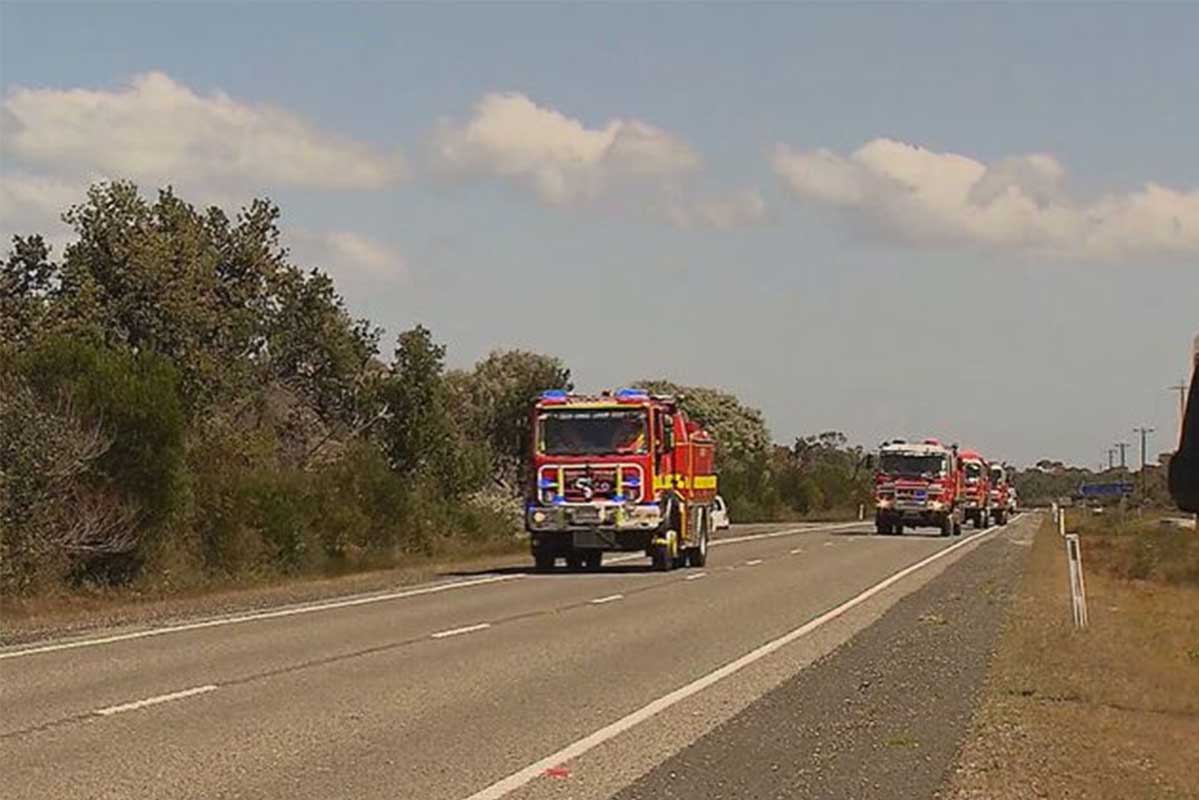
720	514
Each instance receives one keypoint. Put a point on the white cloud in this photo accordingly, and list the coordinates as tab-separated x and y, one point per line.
721	212
345	253
34	204
563	161
931	199
156	130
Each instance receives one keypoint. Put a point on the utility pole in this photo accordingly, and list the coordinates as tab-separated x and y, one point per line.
1111	458
1181	388
1123	449
1144	433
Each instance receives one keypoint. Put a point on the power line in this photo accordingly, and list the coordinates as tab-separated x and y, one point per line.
1181	388
1123	449
1144	433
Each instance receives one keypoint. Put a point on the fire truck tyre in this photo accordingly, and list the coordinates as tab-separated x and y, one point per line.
948	525
881	528
957	527
574	561
593	559
543	562
698	555
659	555
980	520
897	528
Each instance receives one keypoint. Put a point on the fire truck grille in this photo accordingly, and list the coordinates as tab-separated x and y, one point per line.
586	484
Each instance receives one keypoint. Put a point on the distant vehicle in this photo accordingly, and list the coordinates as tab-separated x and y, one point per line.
720	514
622	471
976	488
1002	495
917	484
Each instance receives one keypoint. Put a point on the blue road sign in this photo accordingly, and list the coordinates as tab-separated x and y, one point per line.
1105	489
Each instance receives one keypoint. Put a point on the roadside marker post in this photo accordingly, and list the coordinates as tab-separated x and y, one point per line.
861	511
1061	522
1078	587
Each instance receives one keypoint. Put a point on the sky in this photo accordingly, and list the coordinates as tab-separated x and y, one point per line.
979	222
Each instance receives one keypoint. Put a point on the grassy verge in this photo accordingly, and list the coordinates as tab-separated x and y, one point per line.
1111	711
92	607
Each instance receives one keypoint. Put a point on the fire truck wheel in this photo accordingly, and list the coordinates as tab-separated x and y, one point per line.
593	559
957	527
897	529
698	555
980	520
574	561
948	525
661	555
1001	518
543	562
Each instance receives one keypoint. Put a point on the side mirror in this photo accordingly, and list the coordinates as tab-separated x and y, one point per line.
668	434
868	461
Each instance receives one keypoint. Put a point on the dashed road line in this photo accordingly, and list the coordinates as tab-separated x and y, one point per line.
153	701
612	598
696	576
753	562
253	617
526	775
482	626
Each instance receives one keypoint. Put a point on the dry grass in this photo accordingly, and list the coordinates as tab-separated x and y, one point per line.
67	611
1107	712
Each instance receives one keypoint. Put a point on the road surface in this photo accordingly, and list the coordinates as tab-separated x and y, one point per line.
504	684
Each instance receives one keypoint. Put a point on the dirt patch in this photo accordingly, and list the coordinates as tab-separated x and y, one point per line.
1111	711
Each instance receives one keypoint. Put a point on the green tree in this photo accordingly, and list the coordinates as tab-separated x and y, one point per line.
492	402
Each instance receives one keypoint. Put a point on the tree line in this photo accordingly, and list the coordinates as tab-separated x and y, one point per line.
180	402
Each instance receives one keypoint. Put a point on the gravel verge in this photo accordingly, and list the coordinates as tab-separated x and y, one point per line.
883	716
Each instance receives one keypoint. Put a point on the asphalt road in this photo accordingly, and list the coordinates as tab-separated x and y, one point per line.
504	684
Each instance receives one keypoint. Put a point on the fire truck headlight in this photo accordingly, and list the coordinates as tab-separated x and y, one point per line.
538	517
884	502
936	505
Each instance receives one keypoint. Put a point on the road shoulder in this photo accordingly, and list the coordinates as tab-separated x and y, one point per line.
1109	712
881	716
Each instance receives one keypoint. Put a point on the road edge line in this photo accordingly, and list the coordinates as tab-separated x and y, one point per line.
526	775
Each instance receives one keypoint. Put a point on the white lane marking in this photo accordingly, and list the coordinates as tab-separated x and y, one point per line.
796	551
599	601
828	544
153	701
349	602
787	532
482	626
282	612
753	562
572	751
695	577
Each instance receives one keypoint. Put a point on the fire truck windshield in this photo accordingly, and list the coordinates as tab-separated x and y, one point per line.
912	464
973	471
592	431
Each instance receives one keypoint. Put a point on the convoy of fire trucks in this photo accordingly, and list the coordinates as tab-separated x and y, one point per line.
628	471
929	485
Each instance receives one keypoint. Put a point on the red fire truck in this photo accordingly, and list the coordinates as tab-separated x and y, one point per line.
1002	496
976	487
622	471
917	484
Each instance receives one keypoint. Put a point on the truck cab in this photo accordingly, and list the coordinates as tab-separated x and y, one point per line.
917	484
976	488
621	471
1002	495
